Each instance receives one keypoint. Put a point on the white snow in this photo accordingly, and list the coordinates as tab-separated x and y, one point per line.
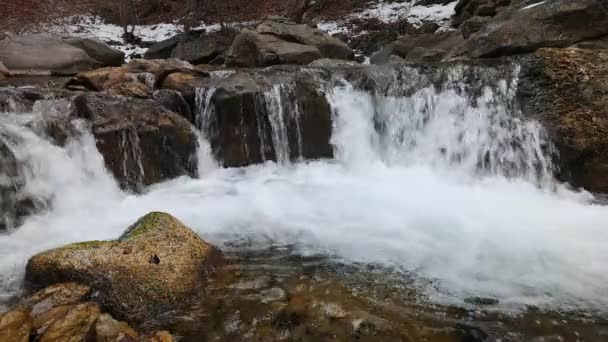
533	5
390	12
95	27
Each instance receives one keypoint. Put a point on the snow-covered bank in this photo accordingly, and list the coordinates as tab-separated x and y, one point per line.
384	11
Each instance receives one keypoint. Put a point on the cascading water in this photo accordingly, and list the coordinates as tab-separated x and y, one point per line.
446	184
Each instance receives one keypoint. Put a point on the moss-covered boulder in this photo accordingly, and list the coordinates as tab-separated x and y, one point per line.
567	90
153	267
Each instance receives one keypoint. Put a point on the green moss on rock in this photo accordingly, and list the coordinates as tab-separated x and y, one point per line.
154	266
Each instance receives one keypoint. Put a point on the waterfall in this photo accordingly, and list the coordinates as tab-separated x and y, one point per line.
447	128
436	174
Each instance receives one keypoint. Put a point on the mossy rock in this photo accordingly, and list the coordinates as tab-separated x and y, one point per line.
154	266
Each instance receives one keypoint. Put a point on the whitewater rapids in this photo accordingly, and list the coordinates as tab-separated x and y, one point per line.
460	200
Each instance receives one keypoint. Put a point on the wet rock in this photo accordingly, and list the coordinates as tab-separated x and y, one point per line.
15	326
185	83
107	329
141	141
55	295
159	336
98	50
122	273
45	319
570	22
130	89
174	101
566	90
75	326
44	54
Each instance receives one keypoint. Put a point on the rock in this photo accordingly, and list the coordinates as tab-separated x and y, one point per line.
54	296
107	329
4	73
130	89
466	9
332	63
15	326
155	266
251	49
600	43
159	336
43	54
558	23
183	82
567	91
282	42
141	141
75	326
329	46
98	50
419	47
44	320
195	46
175	102
101	79
475	24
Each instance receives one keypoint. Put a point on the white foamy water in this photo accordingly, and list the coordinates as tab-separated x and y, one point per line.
459	198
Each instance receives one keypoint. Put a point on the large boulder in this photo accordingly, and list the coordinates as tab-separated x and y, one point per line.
330	47
251	49
44	54
278	41
141	141
567	91
156	265
524	29
195	46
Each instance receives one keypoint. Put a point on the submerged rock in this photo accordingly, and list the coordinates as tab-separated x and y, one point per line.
153	267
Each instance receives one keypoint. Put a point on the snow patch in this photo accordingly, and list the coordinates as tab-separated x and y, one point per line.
533	5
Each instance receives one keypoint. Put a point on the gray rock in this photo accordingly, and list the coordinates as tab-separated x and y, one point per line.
329	46
195	47
558	23
419	47
98	50
251	49
44	54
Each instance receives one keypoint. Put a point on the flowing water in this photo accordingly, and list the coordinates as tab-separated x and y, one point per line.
457	194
